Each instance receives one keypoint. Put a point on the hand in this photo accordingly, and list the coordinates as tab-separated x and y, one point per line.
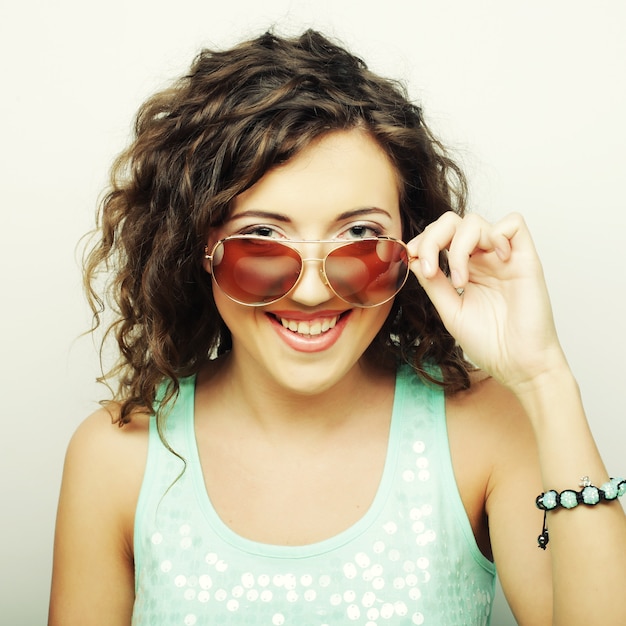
503	318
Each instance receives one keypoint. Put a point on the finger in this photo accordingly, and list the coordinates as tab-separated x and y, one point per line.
435	238
513	227
474	235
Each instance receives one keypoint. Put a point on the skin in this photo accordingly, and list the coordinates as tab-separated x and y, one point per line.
322	446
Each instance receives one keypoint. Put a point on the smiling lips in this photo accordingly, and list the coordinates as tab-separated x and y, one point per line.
313	327
309	333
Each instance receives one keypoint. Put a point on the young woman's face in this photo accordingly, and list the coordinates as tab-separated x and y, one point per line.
341	187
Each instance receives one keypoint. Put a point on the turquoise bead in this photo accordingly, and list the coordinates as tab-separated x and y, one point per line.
568	499
610	490
591	495
549	500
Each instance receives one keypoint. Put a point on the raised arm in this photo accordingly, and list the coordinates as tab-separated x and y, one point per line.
497	307
93	576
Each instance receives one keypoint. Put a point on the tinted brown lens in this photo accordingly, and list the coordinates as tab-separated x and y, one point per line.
255	271
367	272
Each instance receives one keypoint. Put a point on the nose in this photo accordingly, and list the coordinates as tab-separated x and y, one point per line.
312	287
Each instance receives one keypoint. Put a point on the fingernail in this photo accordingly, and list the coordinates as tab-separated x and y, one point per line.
426	267
455	277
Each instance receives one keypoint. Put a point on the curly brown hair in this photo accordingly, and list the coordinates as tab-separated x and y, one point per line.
209	137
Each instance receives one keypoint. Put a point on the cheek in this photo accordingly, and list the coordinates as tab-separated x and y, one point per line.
225	306
375	318
237	317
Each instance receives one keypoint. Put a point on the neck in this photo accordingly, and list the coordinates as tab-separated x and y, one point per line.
258	399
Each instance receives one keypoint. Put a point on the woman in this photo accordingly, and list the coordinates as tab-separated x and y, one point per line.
302	438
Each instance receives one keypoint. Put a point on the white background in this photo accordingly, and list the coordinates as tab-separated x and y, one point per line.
531	96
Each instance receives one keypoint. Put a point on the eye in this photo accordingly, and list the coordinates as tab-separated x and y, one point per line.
260	231
361	231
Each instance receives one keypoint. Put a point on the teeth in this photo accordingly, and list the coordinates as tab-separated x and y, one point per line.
317	327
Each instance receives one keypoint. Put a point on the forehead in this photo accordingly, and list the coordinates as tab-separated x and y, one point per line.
341	171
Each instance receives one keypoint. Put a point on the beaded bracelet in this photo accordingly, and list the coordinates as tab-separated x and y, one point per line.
568	499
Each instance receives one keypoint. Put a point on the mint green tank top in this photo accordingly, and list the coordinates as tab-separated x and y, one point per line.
411	559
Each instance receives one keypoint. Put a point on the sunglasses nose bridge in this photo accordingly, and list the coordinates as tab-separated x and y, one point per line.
312	286
321	261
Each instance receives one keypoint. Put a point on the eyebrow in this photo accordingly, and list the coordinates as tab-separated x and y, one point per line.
363	211
279	217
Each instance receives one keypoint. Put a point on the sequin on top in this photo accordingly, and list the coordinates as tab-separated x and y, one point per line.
411	559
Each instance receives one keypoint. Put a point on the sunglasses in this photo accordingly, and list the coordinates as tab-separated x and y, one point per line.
256	271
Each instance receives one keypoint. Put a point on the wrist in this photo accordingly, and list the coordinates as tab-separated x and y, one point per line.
552	392
543	371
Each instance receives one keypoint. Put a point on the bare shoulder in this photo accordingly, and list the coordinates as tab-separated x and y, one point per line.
491	444
101	432
491	412
491	432
104	446
110	458
93	551
496	462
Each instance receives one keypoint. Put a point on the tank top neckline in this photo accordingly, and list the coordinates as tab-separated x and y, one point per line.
250	546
